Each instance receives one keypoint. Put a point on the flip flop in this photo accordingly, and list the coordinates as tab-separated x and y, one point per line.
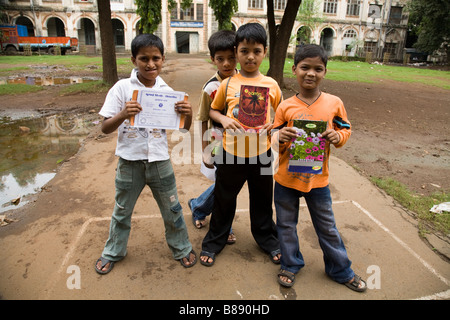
187	258
194	218
104	262
273	254
233	238
354	284
287	274
209	255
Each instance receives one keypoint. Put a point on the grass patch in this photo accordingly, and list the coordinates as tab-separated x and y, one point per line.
18	89
366	72
71	62
337	70
85	87
421	205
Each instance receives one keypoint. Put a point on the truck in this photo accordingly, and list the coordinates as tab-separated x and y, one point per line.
14	38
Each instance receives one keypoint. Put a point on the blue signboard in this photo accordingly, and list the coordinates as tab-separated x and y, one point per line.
186	24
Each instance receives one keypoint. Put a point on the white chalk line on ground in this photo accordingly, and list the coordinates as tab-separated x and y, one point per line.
440	295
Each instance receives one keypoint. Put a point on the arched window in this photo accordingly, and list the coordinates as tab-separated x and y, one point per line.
350	34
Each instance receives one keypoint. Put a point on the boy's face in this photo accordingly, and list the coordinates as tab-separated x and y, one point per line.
250	55
149	61
309	73
226	62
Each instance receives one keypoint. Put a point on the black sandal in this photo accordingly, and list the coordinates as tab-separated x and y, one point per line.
104	262
209	255
354	284
287	274
187	258
273	254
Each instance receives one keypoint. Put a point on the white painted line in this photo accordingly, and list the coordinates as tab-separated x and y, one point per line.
74	245
83	229
441	295
445	295
403	244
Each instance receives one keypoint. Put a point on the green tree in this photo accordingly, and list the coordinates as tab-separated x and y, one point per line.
223	11
309	15
279	38
431	21
107	41
150	12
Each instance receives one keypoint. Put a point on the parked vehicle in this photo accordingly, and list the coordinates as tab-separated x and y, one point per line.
416	56
15	38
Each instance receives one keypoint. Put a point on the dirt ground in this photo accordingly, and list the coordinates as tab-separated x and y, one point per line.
399	130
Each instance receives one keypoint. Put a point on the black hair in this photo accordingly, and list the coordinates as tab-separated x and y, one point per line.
146	40
310	51
251	32
221	40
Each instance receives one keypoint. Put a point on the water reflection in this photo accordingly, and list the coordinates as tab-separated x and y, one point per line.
46	81
30	150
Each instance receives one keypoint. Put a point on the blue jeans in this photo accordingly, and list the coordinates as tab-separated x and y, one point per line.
131	178
287	200
202	206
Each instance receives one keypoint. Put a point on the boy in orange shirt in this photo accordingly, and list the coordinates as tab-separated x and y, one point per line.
310	104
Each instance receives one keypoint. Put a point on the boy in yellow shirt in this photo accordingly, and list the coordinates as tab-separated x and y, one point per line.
246	156
310	104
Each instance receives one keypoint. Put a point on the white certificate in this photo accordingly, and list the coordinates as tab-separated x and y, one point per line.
158	109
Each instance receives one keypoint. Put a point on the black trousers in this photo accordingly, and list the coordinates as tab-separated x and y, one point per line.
231	174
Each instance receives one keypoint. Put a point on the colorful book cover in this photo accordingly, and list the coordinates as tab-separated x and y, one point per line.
253	105
308	148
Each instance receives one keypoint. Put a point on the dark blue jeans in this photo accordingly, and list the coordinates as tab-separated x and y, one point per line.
287	200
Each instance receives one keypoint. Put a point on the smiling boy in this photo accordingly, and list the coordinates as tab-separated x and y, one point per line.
143	158
246	157
310	67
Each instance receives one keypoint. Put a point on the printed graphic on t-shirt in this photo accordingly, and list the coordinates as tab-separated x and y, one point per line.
253	105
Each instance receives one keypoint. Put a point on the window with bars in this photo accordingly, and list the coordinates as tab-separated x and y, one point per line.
353	7
350	34
199	12
280	4
395	15
330	6
255	4
189	14
370	46
390	48
174	13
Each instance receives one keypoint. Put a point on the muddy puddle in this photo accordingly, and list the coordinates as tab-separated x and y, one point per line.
32	147
46	81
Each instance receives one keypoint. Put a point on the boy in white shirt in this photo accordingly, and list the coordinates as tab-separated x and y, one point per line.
143	158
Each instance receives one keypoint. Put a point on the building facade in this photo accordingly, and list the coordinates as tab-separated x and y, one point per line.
343	27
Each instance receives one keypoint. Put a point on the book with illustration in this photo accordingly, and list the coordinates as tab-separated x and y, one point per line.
253	105
308	148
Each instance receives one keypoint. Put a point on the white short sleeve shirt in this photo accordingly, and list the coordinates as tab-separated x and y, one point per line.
135	143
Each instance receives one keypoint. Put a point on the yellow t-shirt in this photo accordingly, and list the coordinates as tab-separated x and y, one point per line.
247	144
325	108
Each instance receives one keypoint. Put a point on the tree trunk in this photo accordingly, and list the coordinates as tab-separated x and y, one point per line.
107	40
279	39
